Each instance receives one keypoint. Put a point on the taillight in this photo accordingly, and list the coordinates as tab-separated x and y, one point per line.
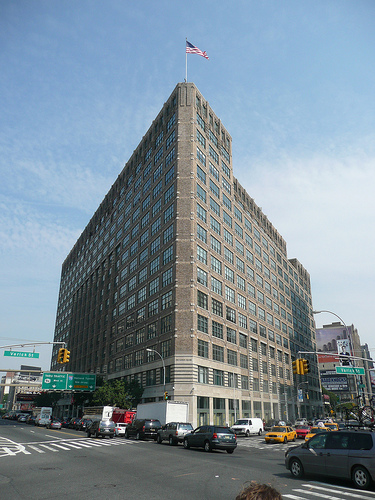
176	433
143	428
214	435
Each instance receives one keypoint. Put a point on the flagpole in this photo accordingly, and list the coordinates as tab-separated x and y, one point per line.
185	63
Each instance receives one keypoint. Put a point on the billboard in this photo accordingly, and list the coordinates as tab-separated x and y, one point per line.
334	382
343	349
332	340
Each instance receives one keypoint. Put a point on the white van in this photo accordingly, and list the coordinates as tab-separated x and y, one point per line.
248	426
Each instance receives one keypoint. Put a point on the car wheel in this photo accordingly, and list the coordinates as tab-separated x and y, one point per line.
111	436
137	436
159	439
171	441
230	451
294	438
361	478
88	434
186	444
247	433
126	434
97	434
207	446
259	432
296	468
285	440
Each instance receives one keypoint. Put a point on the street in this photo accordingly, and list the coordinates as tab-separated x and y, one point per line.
36	463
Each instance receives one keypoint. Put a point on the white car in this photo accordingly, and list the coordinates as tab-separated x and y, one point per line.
120	429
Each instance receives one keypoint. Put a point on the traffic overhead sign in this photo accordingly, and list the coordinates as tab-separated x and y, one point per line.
64	381
20	354
350	370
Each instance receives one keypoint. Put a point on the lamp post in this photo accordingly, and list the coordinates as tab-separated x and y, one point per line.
162	360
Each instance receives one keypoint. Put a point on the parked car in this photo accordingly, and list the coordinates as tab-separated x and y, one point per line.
248	426
30	420
54	423
143	428
120	428
211	437
280	434
22	417
101	428
65	422
174	432
342	454
73	422
83	423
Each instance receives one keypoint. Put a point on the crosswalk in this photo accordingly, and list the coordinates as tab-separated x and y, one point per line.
11	448
315	490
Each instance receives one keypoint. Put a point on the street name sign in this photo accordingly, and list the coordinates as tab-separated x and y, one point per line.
20	354
350	370
64	381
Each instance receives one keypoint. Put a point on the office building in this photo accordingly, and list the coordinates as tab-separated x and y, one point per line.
180	275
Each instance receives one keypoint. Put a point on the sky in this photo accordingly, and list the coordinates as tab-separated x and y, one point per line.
80	83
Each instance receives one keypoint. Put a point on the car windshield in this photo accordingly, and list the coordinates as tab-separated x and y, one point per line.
316	430
240	422
278	429
303	427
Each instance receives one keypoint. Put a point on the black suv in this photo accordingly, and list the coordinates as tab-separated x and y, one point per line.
101	428
143	428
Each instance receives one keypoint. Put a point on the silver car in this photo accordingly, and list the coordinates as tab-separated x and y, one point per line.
174	432
342	454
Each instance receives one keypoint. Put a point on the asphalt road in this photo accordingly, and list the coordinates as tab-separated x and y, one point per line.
36	463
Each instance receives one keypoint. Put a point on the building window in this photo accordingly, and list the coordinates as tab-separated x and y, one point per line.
218	377
202	375
244	361
217	353
201	255
167	277
231	335
202	348
153	308
216	286
166	324
217	329
232	357
230	314
202	300
217	307
243	340
202	323
166	300
166	348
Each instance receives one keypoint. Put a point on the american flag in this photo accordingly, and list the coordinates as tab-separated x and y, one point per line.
191	49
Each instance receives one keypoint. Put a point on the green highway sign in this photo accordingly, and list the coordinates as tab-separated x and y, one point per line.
81	382
19	354
54	381
350	370
64	381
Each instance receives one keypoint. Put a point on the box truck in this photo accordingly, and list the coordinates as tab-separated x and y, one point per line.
164	411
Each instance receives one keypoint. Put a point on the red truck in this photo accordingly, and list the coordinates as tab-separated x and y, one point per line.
122	418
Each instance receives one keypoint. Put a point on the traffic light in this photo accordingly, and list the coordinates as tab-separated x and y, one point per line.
166	395
60	355
305	366
66	356
297	367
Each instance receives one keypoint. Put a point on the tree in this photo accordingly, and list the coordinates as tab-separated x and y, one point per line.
119	393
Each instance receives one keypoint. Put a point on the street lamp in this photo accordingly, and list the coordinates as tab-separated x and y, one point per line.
162	360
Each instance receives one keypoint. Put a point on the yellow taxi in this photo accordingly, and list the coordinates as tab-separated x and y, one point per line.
332	426
316	430
280	434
